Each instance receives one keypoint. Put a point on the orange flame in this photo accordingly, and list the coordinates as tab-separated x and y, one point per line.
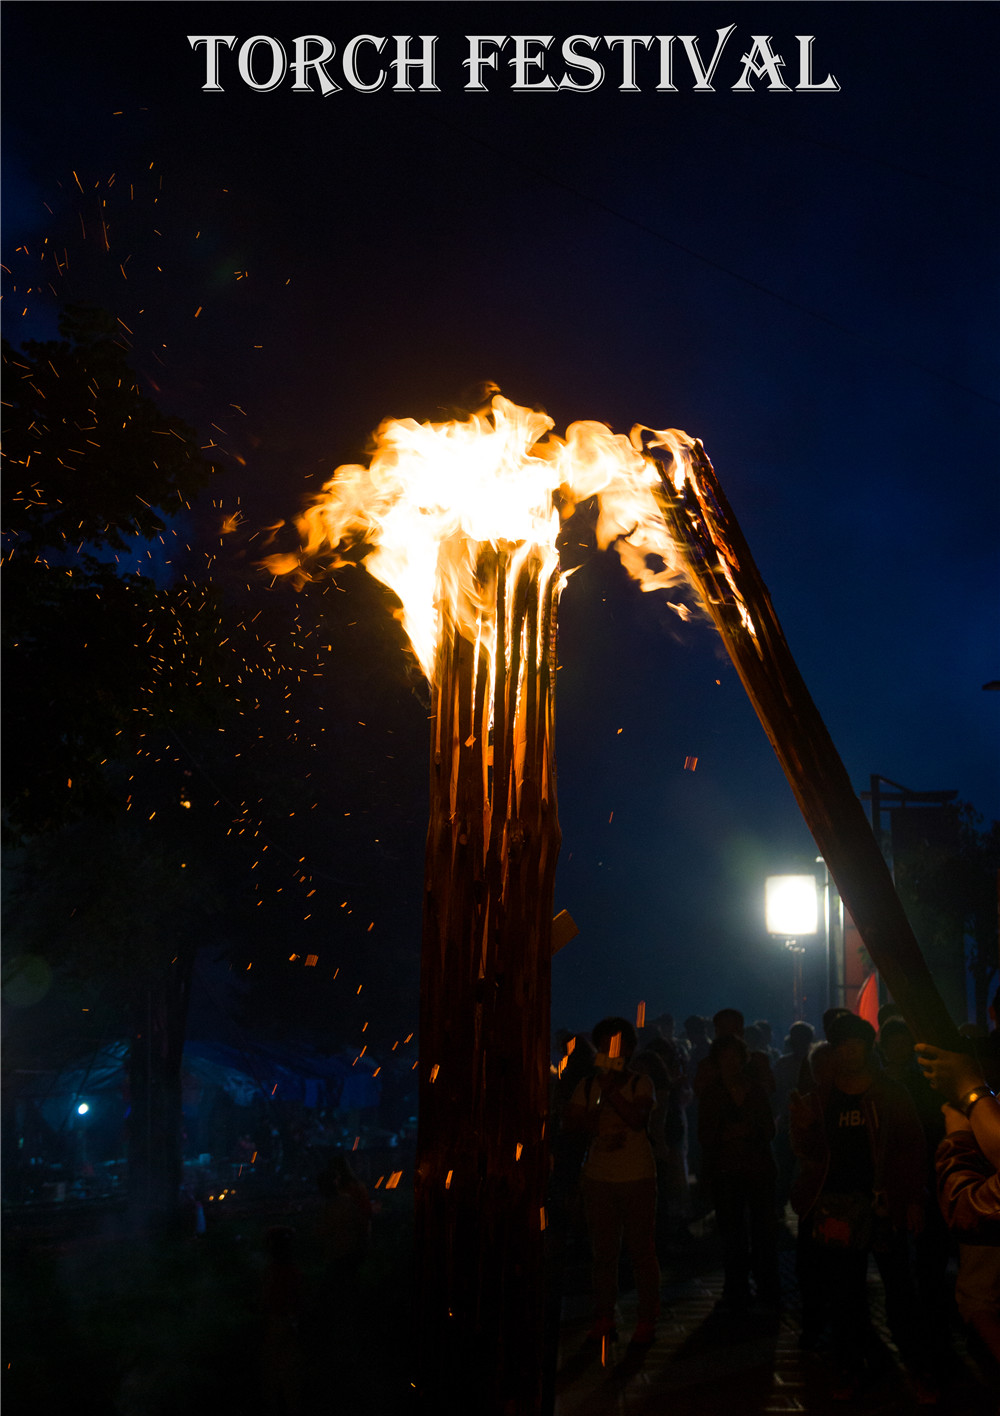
433	492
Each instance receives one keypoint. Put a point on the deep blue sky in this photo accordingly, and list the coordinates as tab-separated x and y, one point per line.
807	282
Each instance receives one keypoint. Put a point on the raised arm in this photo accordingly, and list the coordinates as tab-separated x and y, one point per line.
971	1105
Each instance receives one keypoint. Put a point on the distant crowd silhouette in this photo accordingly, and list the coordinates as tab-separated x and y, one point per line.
859	1144
854	1146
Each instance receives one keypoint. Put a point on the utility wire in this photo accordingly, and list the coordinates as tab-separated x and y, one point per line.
854	154
648	230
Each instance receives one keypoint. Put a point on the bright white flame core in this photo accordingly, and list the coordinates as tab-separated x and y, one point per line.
433	492
791	907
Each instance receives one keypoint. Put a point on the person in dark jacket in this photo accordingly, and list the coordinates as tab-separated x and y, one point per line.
728	1022
736	1129
791	1070
568	1148
282	1306
933	1247
860	1190
343	1231
674	1195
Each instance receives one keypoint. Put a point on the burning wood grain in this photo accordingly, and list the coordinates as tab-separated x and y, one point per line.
718	562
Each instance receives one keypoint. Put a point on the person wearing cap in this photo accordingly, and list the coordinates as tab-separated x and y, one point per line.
860	1191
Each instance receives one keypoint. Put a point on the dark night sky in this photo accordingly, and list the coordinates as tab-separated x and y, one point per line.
807	282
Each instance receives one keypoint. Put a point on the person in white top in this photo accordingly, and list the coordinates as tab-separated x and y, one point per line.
619	1177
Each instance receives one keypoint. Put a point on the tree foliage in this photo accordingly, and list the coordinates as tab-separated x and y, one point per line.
90	461
91	656
94	659
950	893
192	766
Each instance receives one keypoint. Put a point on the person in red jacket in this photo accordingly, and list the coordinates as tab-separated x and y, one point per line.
860	1190
968	1184
968	1187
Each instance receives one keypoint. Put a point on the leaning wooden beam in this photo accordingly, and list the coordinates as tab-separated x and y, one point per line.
492	844
719	564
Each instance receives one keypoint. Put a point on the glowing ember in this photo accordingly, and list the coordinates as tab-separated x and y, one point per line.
433	492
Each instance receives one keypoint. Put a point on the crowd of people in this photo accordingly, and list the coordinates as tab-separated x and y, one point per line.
865	1144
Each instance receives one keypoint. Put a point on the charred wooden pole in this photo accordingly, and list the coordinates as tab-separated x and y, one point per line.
492	845
718	562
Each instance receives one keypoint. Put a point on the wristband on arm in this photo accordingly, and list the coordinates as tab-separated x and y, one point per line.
968	1101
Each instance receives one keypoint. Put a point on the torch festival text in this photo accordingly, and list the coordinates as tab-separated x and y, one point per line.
538	63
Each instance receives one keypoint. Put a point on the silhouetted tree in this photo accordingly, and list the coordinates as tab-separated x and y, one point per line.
950	894
94	660
90	460
91	657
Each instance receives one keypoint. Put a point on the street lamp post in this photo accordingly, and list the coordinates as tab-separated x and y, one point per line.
81	1159
791	910
833	935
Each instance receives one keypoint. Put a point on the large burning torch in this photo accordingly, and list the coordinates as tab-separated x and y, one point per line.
461	520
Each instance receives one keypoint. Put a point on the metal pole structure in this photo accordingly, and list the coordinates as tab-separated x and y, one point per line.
797	951
828	957
718	561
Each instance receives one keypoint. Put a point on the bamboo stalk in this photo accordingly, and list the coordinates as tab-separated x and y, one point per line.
492	845
718	562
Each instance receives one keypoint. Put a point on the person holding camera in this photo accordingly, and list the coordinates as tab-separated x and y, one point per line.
619	1177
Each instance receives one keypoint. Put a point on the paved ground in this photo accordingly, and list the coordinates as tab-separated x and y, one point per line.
706	1364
